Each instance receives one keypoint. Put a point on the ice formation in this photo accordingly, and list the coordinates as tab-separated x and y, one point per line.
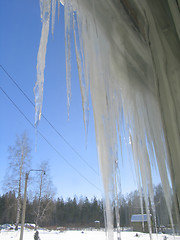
128	54
45	7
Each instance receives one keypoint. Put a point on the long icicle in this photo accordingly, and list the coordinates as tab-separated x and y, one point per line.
45	6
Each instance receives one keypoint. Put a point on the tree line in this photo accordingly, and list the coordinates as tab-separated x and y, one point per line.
78	212
70	213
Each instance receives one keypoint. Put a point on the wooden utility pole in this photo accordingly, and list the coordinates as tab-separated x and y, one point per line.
24	202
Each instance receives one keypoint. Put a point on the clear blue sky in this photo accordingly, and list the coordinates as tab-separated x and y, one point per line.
19	42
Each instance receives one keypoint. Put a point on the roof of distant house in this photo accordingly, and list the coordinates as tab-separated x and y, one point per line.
139	218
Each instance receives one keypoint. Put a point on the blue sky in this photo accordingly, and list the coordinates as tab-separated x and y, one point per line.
19	42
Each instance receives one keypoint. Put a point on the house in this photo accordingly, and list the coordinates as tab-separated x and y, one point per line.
137	222
97	224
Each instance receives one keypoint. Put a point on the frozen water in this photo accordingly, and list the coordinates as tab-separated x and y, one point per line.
45	6
53	14
128	55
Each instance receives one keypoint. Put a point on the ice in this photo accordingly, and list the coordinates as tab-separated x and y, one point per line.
68	30
82	69
45	6
53	14
128	55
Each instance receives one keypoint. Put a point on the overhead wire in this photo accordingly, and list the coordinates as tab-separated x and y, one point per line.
49	143
45	118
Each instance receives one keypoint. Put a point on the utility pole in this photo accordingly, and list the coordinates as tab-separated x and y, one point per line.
24	201
24	207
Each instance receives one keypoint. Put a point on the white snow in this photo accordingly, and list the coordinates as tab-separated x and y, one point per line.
78	235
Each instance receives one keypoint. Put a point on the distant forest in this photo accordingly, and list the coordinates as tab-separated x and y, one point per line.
78	212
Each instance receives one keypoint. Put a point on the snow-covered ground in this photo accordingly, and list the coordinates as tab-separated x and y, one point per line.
78	235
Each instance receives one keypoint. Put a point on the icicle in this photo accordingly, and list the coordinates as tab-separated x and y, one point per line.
58	9
45	6
117	199
68	25
124	54
84	80
54	14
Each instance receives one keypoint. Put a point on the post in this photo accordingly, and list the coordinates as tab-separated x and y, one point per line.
24	201
24	207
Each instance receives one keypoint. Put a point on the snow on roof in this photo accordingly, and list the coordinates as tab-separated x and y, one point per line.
139	218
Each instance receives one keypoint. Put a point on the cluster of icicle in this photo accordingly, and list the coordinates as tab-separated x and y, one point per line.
114	61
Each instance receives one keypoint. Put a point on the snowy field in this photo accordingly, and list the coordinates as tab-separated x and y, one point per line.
79	235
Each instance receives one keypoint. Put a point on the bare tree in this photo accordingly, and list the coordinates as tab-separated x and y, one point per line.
45	193
19	162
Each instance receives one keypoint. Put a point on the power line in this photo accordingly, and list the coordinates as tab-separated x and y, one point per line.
60	135
48	142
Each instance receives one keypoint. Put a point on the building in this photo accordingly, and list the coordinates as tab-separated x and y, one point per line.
137	222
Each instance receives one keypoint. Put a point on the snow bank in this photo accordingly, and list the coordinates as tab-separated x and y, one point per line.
78	235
